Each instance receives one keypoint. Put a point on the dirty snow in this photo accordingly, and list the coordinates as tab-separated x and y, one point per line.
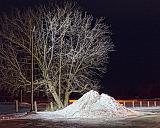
91	105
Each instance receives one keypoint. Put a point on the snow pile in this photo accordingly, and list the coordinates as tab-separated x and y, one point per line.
93	105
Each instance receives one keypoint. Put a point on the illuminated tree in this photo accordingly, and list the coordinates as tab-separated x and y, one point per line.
10	68
70	47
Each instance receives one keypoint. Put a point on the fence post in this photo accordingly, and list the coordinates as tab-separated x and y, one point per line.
148	103
155	104
35	106
140	103
124	103
133	103
16	105
51	106
21	95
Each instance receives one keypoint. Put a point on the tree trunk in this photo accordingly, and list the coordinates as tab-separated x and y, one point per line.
57	99
55	95
66	98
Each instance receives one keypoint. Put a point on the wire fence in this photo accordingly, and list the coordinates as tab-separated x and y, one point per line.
21	107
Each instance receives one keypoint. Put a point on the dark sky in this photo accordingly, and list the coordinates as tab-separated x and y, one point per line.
134	68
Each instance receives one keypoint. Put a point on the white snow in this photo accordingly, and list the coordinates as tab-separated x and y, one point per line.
91	105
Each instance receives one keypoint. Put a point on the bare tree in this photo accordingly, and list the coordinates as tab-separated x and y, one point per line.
70	47
10	68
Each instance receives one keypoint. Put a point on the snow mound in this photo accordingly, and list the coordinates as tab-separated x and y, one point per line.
93	105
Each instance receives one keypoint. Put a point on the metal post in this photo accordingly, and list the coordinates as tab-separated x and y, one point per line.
32	91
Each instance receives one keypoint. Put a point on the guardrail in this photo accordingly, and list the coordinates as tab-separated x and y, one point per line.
139	103
135	103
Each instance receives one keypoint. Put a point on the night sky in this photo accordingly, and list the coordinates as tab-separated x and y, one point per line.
134	66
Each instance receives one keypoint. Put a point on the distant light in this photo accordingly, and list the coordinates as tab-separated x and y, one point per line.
71	101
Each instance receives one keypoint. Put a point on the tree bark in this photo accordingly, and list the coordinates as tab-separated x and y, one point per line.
66	98
57	100
55	95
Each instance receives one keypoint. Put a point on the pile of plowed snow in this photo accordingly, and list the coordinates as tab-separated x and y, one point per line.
94	105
